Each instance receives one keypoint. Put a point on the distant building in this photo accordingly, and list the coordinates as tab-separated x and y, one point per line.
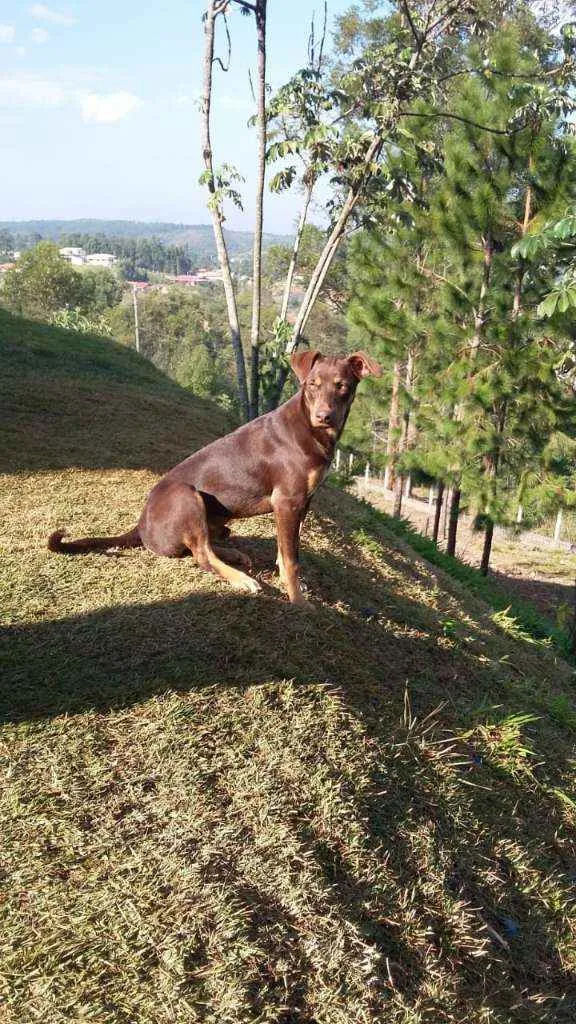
204	276
189	279
208	276
74	254
101	259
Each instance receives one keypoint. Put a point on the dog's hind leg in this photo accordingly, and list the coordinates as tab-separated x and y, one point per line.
197	539
232	556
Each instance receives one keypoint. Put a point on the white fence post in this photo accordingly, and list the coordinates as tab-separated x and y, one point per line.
558	526
519	514
367	476
350	462
431	496
338	454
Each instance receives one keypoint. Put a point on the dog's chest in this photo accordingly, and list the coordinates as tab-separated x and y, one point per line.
314	478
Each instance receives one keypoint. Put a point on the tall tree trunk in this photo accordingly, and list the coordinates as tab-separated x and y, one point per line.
275	394
400	479
453	520
411	437
475	342
438	512
327	255
216	212
479	318
398	495
295	251
494	459
329	251
260	13
393	423
492	462
487	548
325	261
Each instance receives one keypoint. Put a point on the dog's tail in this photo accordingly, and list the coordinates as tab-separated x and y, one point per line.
131	539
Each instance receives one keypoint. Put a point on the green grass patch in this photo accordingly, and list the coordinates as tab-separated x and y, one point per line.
218	808
517	617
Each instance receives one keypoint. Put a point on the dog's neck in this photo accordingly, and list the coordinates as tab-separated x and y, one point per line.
322	442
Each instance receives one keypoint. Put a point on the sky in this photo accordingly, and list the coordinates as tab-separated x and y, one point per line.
99	108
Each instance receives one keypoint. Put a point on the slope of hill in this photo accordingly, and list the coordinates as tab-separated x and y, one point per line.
198	236
220	808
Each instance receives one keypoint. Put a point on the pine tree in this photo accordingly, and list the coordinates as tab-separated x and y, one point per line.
393	299
493	187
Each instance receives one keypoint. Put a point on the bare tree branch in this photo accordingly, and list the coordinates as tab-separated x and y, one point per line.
464	120
417	35
218	60
323	36
259	213
214	9
295	251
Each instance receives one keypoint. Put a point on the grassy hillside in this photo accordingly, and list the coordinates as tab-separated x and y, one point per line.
220	808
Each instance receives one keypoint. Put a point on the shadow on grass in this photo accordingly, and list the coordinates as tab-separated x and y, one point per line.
547	597
117	657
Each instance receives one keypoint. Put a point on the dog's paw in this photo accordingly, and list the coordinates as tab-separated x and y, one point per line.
303	604
249	585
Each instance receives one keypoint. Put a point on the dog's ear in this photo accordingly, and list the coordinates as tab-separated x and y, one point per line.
363	365
302	363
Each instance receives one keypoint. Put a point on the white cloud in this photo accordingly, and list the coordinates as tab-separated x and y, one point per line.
7	33
40	35
30	92
26	90
20	51
43	13
105	109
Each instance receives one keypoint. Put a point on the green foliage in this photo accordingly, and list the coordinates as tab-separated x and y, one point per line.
183	331
101	290
44	285
335	288
532	624
555	247
7	244
442	278
76	320
220	186
41	282
201	372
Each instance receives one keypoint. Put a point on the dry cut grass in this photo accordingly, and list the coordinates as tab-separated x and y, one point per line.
217	808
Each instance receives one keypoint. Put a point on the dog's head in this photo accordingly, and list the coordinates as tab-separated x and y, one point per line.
329	385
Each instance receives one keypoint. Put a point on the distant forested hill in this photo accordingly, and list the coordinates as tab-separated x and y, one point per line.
196	237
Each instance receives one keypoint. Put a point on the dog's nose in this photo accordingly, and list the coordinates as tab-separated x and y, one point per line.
324	415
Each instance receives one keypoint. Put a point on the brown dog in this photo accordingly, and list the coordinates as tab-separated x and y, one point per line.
272	464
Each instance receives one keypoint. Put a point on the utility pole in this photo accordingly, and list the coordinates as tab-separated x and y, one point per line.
136	328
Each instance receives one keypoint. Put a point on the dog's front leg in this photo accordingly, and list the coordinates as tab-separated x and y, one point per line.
288	515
